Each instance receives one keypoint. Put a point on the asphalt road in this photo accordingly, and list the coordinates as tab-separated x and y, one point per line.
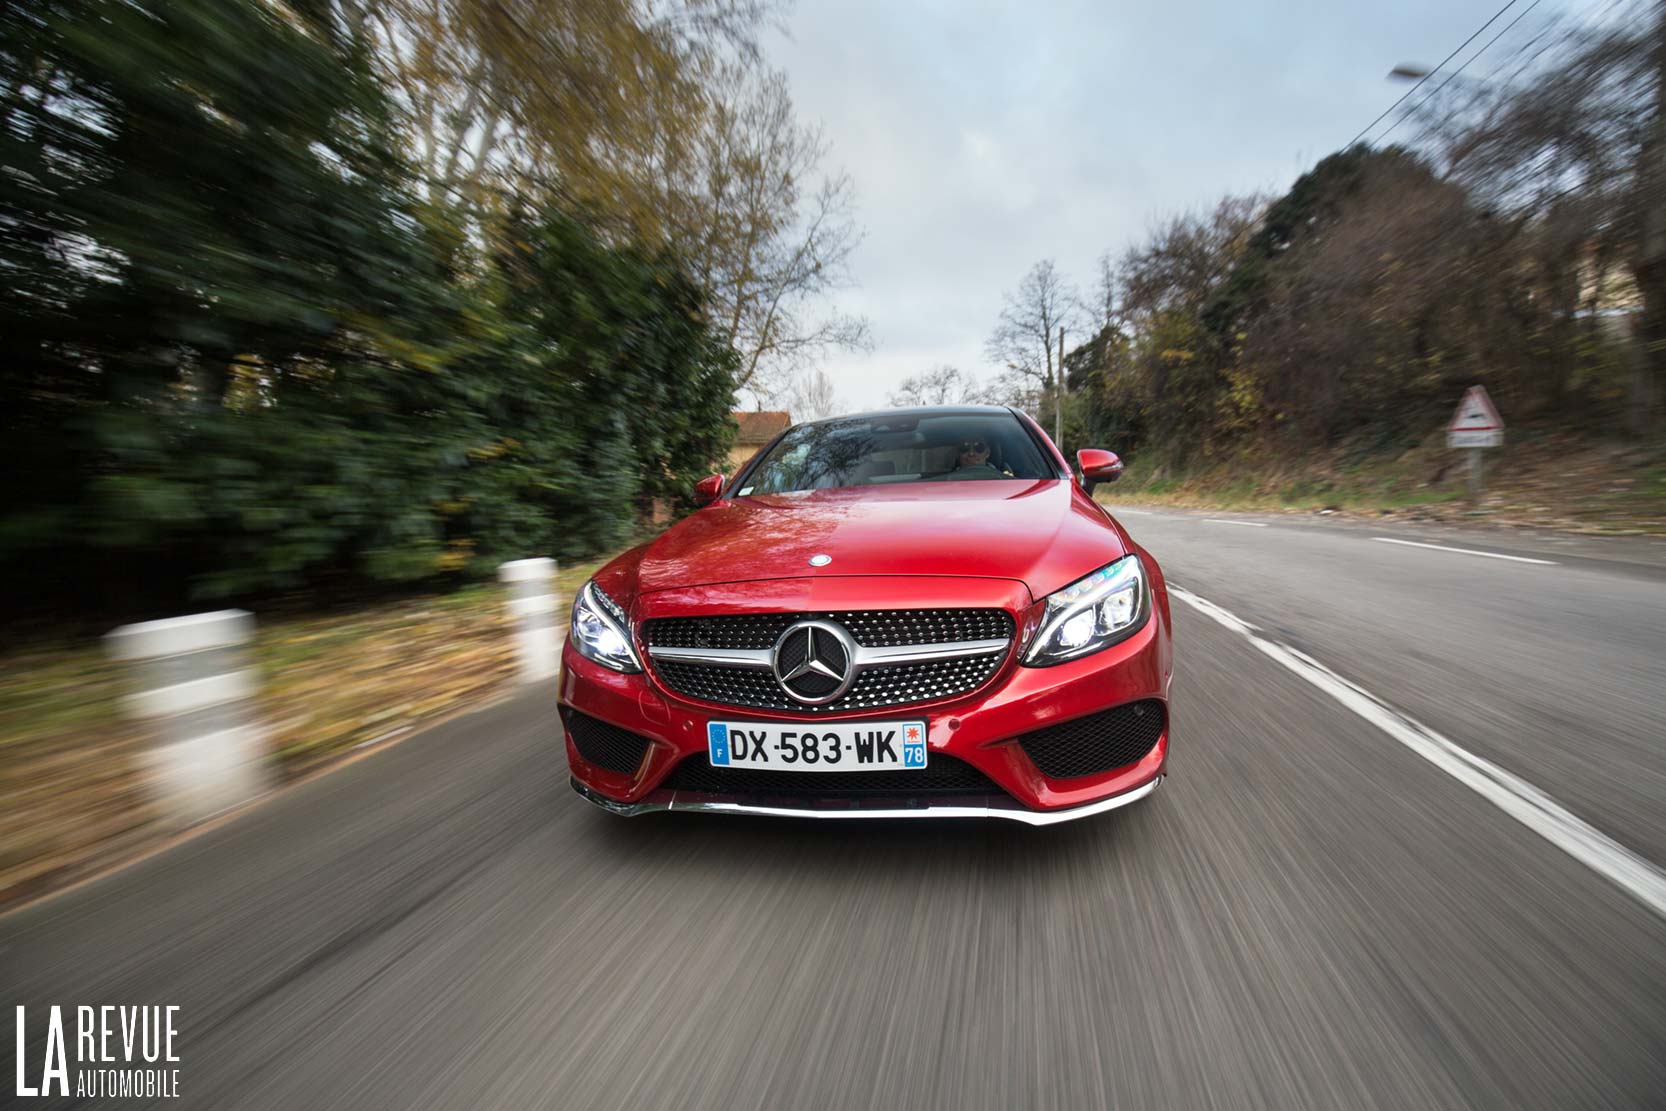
1307	914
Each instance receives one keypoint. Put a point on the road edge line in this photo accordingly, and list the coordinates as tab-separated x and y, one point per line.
1464	551
1518	798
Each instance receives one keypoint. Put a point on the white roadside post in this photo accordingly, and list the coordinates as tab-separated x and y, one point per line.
533	608
1475	427
195	686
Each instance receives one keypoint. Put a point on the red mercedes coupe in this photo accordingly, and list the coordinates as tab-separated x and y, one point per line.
915	613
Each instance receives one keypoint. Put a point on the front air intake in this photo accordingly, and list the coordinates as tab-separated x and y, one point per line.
1098	742
606	746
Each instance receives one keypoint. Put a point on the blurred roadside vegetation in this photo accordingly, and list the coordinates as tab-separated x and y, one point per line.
1505	227
1541	478
325	308
325	299
1352	313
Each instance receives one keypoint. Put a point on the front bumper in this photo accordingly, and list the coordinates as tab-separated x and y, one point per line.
985	728
959	807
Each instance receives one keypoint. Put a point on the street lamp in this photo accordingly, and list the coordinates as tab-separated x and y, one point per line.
1417	71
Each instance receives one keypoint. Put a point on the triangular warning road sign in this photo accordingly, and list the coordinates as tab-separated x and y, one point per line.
1476	413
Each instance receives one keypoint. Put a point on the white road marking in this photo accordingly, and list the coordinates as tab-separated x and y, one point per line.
1224	521
1462	551
1135	512
1511	794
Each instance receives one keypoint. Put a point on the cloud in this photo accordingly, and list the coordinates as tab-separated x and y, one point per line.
983	137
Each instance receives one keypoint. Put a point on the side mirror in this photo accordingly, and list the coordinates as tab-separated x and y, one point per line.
707	489
1098	466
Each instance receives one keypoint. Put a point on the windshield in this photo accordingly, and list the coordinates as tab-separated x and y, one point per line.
951	447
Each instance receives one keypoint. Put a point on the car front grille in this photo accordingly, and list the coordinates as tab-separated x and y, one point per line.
875	686
897	685
871	628
606	746
943	775
1098	742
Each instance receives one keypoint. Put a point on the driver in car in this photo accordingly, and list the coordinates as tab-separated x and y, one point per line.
973	461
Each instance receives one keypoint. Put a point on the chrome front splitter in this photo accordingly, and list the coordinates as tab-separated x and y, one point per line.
989	807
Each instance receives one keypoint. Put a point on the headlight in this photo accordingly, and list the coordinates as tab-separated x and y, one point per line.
601	631
1091	613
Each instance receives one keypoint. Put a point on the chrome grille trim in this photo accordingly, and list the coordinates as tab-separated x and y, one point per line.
865	657
874	628
715	657
920	653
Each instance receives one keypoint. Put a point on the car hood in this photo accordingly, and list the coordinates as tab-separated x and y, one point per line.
1044	533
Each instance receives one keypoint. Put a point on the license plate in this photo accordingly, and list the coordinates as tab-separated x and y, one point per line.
822	747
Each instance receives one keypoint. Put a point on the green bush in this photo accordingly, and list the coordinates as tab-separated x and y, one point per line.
238	354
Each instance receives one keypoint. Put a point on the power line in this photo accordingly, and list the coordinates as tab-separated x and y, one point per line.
1407	114
1505	87
1490	81
1594	20
1550	25
1364	130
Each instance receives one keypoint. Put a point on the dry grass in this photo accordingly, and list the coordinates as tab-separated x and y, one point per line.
1538	480
74	794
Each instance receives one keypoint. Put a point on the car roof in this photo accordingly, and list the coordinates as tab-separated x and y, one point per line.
917	411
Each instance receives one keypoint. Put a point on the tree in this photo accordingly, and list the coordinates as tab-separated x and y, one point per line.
941	385
626	390
657	120
1024	338
571	101
1189	260
192	240
812	397
1577	159
1371	306
1158	367
1106	290
768	233
1509	245
244	354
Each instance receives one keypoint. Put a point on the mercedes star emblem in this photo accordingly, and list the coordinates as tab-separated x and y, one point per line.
814	661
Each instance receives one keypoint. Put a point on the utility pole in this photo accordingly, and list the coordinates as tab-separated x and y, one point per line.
1058	397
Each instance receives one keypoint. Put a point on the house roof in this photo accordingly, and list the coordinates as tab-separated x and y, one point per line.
761	427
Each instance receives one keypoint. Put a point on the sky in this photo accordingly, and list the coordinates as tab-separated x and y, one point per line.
985	137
